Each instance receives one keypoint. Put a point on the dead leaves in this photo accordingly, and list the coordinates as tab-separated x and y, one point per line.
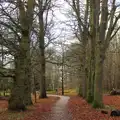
34	112
81	110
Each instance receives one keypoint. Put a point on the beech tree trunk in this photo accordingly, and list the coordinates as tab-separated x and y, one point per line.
90	93
98	100
84	74
42	57
17	101
21	93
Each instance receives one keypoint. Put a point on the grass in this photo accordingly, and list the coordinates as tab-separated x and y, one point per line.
70	92
67	92
2	93
51	92
110	107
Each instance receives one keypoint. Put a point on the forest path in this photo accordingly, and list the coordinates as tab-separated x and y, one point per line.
59	110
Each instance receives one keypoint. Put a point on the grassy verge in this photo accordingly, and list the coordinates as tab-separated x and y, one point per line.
67	92
70	92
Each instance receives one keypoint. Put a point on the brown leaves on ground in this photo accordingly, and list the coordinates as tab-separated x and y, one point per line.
3	104
42	106
78	107
34	112
113	101
81	110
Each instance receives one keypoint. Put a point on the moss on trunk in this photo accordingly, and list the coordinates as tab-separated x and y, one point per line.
21	93
16	101
98	98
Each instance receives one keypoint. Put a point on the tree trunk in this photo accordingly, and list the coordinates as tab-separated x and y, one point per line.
27	82
84	74
4	92
21	93
62	79
100	54
42	57
27	69
17	101
90	93
42	80
89	82
91	78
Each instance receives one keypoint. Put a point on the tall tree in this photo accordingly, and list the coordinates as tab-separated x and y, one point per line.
46	23
21	93
106	29
42	50
91	70
82	35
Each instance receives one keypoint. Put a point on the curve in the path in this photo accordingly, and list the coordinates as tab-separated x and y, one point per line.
59	110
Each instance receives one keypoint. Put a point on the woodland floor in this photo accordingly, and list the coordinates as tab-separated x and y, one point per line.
35	112
61	108
81	110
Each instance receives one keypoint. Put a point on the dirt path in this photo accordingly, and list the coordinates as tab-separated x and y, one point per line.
59	110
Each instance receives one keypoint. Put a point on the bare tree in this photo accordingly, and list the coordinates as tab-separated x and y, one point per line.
19	46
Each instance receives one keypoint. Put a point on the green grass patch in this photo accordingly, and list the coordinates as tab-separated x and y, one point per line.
6	93
67	92
51	92
70	92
